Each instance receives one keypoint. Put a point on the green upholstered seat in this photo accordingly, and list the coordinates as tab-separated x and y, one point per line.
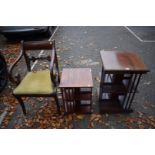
35	83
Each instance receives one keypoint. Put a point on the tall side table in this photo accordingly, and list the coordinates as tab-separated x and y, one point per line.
121	74
76	86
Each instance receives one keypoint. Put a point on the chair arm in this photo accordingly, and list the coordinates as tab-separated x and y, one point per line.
56	61
16	79
52	67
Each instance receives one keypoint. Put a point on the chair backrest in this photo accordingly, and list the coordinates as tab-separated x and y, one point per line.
38	45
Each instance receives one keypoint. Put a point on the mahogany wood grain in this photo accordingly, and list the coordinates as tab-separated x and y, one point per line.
39	45
76	77
122	61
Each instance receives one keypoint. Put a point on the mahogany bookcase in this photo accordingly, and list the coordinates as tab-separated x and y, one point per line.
120	76
76	87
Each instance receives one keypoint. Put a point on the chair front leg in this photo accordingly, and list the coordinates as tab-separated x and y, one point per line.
21	103
57	103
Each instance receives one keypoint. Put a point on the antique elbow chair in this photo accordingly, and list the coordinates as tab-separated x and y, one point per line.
42	83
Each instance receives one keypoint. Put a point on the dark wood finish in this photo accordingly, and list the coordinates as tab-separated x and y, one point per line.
54	70
121	73
76	87
39	45
21	103
122	61
33	59
114	88
83	109
76	77
112	106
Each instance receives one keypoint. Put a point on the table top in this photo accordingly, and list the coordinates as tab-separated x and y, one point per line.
122	61
76	77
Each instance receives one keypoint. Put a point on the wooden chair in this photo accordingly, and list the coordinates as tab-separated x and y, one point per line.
42	83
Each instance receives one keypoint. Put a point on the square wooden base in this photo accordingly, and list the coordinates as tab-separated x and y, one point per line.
112	106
